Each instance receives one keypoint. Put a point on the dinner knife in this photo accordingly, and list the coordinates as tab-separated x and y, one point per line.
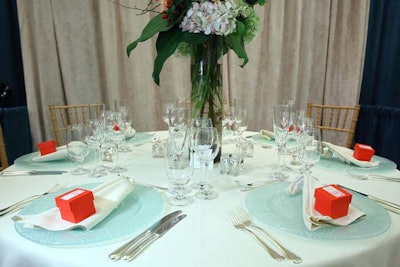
131	253
386	204
117	254
17	173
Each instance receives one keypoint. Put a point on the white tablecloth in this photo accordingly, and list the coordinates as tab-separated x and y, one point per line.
206	237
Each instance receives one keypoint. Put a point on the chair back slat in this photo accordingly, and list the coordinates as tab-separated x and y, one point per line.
62	116
335	118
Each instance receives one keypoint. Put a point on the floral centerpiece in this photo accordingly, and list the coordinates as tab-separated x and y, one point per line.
203	30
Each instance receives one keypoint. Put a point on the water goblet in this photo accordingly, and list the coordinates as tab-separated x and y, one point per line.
206	145
77	147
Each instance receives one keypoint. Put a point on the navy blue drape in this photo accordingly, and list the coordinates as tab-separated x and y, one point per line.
379	120
11	70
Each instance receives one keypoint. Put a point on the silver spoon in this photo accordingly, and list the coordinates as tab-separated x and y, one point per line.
132	180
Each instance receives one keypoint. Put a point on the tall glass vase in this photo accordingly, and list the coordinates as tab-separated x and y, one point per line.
206	79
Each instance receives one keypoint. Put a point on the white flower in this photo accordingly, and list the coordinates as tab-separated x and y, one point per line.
211	18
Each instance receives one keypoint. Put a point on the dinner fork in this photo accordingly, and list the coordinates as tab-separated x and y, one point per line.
239	225
373	177
20	204
245	219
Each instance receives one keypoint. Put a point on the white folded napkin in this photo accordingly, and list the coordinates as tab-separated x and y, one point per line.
268	135
61	153
129	132
106	197
346	154
313	219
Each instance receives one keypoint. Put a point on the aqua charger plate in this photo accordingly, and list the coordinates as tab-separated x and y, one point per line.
271	205
139	138
334	163
26	162
136	212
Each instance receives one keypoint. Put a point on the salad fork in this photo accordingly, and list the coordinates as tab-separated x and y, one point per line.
20	204
238	224
245	219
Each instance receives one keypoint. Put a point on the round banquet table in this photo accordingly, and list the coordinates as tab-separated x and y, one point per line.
206	237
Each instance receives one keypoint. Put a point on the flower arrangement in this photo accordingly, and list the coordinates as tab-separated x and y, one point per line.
184	23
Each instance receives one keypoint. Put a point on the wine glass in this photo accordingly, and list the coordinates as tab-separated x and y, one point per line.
312	150
168	114
115	132
281	121
124	107
206	146
77	147
178	167
195	125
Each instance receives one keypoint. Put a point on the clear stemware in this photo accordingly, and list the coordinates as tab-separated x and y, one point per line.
115	132
281	121
77	147
312	150
169	114
195	125
124	106
95	140
178	167
206	145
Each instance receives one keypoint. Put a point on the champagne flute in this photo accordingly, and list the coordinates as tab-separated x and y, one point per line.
312	150
77	147
124	107
206	145
95	140
281	127
168	114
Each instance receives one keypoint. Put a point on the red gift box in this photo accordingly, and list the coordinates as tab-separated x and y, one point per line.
47	147
331	200
76	205
363	152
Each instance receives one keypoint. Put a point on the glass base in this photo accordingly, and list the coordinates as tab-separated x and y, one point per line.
97	173
180	200
201	185
118	169
79	171
206	194
279	176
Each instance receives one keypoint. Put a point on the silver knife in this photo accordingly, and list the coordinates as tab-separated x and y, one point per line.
158	232
386	204
116	254
16	173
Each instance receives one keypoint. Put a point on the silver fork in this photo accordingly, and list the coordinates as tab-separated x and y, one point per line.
239	225
245	219
20	204
373	177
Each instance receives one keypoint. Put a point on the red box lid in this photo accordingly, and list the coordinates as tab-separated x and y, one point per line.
47	147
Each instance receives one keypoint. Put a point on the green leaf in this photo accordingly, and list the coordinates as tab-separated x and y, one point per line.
235	42
166	44
156	24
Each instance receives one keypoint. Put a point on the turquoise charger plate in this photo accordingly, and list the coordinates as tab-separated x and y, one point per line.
139	138
136	212
334	163
26	162
271	205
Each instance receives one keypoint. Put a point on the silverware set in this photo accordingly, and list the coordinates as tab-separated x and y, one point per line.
393	207
134	247
241	220
21	204
373	177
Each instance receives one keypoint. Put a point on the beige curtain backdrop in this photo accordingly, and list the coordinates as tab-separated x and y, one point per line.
74	52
